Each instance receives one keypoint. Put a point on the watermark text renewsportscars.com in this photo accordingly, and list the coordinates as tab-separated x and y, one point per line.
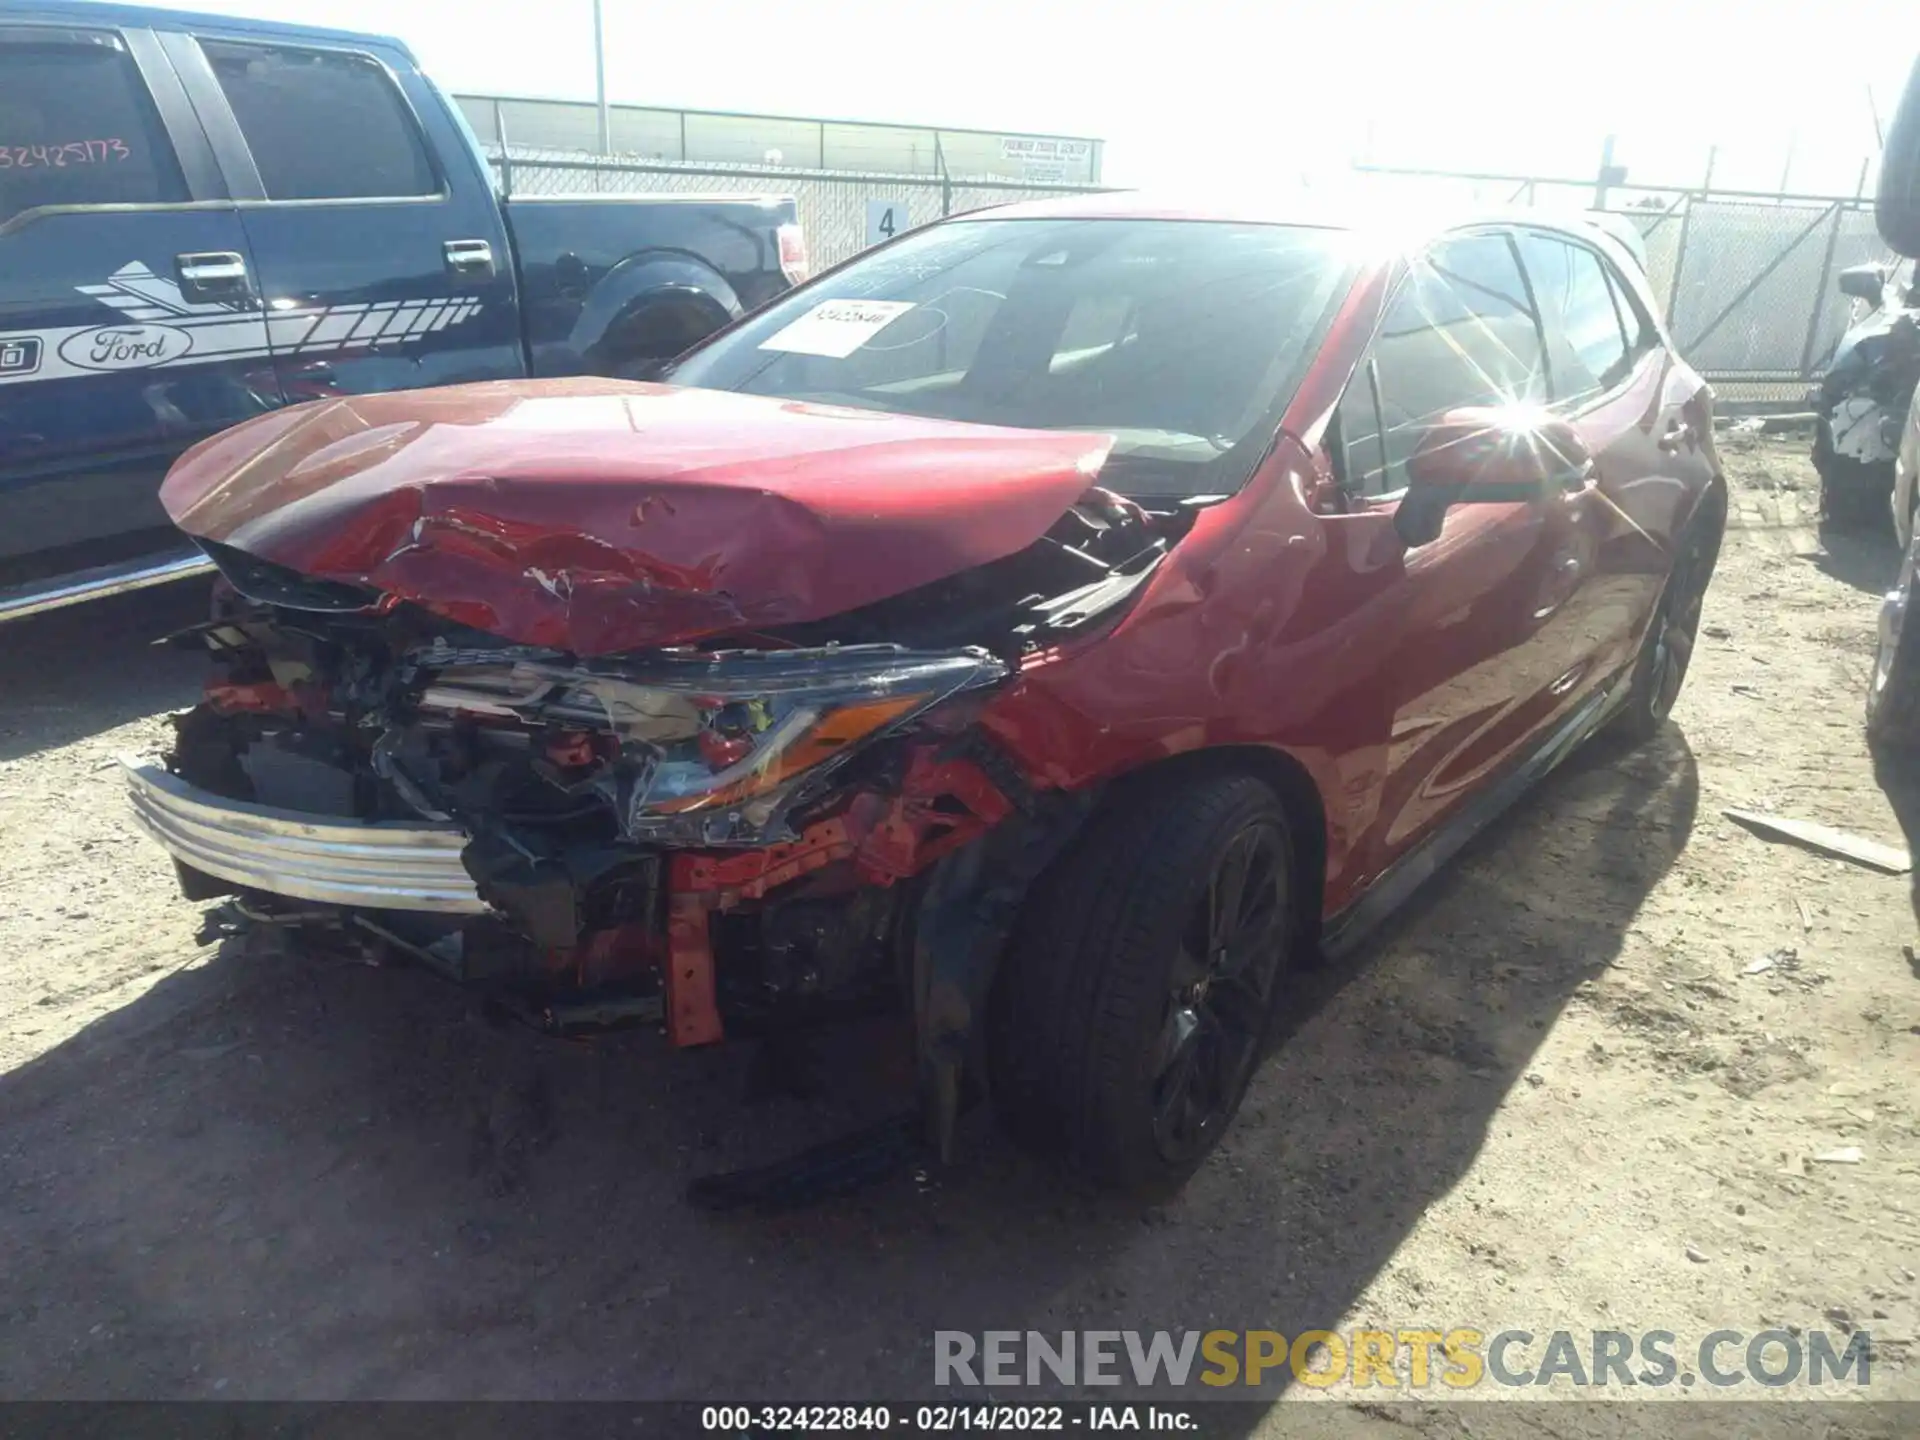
1413	1359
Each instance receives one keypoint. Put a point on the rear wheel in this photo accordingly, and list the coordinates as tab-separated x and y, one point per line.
657	333
1139	989
1893	698
1907	526
1667	651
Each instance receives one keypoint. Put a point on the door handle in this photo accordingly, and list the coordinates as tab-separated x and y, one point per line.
469	257
214	275
1679	433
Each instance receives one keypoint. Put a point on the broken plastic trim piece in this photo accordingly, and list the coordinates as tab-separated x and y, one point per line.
270	584
836	1167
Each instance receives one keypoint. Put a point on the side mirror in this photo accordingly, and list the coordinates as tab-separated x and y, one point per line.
1487	456
1897	204
1864	282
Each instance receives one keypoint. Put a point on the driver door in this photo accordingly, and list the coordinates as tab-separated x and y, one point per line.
1471	680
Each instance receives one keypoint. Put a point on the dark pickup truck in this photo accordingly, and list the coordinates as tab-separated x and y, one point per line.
204	218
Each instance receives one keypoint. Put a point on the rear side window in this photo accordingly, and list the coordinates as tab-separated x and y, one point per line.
1586	334
322	124
1461	331
1641	336
77	126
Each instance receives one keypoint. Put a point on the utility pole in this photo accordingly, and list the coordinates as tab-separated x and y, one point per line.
1610	174
600	78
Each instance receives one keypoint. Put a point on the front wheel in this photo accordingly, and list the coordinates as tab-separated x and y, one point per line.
1138	992
1853	493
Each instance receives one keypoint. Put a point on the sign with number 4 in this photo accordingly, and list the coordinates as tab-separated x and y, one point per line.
886	219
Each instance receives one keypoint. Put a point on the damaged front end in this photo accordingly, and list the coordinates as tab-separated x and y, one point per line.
725	839
606	808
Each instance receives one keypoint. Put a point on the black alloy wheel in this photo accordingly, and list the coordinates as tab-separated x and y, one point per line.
1223	979
1667	650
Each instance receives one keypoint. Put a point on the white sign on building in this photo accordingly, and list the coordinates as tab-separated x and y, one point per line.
1048	160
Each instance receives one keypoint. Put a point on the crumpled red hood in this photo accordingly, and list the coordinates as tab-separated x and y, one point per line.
603	515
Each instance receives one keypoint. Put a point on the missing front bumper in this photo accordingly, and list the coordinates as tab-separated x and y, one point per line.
325	859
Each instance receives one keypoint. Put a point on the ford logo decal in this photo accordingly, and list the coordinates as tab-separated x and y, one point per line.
125	347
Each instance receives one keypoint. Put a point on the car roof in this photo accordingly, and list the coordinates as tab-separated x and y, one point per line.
95	13
1390	219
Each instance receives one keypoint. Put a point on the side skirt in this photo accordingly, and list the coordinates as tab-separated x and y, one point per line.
1345	931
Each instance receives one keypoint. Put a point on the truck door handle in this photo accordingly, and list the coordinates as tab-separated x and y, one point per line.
213	275
469	257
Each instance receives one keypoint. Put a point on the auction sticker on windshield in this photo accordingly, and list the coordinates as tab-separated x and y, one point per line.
836	328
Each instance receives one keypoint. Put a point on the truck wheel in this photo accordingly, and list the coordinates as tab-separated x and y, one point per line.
1853	493
1138	992
657	333
1667	650
1893	698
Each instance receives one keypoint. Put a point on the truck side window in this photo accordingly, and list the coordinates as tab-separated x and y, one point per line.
322	124
77	126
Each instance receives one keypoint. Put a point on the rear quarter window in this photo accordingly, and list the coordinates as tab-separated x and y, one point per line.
323	124
77	126
1588	333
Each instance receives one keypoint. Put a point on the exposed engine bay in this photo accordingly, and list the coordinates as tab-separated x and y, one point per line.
724	838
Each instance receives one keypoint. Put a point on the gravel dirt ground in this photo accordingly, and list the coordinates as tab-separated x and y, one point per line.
1556	1093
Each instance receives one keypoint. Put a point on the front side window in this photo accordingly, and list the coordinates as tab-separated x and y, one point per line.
1182	339
77	126
1586	333
1460	331
322	124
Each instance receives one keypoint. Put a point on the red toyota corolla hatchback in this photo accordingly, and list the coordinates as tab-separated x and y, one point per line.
1052	626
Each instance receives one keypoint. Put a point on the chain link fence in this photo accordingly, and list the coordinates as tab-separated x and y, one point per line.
832	203
1751	289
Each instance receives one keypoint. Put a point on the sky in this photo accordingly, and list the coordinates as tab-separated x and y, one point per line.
1214	93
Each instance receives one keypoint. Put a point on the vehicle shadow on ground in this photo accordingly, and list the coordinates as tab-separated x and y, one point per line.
73	673
1868	560
273	1176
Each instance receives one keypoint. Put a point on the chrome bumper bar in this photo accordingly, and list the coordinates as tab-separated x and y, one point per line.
385	866
97	584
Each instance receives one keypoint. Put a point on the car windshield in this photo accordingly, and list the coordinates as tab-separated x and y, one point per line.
1182	339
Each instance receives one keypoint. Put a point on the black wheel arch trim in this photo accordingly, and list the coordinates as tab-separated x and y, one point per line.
638	281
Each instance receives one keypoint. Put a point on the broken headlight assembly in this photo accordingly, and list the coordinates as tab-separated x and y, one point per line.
700	749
